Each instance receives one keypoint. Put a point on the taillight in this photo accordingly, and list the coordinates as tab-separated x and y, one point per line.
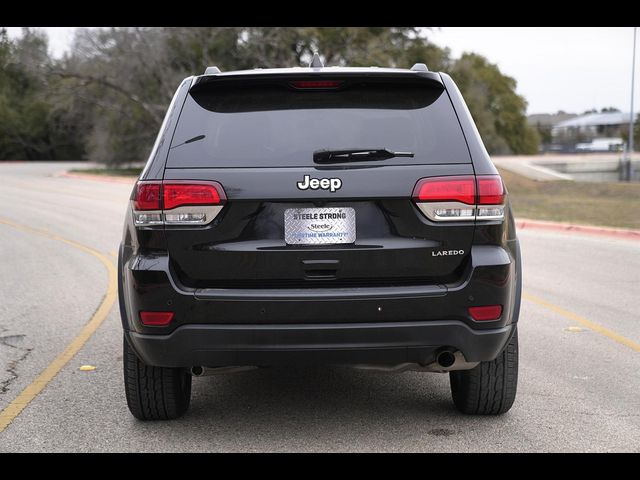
147	204
177	202
178	194
490	198
441	189
490	190
446	198
485	313
147	196
460	198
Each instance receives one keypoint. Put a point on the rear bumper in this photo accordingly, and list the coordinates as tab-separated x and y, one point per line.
362	343
148	283
382	325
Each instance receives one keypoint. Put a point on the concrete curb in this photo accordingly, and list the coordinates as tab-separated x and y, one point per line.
99	178
524	223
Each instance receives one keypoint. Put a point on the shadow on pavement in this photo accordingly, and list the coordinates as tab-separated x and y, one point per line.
314	408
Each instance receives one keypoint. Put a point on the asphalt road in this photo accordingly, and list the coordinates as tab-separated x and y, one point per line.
579	388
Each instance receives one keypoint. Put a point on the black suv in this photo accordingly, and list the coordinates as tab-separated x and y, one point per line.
319	215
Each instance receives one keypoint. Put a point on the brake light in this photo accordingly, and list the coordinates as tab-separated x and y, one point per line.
490	190
156	318
317	84
177	194
490	198
177	202
460	198
147	196
485	313
446	189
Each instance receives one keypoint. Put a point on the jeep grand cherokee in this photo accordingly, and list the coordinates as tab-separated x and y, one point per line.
298	216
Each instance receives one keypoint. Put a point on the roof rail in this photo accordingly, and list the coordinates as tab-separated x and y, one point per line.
211	70
316	62
420	67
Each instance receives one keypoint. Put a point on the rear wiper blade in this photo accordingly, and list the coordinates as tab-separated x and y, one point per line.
191	140
356	155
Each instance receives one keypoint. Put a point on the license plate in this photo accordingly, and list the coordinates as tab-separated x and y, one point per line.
319	226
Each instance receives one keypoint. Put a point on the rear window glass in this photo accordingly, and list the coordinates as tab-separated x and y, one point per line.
274	125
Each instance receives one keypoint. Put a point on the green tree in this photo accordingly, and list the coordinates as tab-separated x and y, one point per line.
381	46
498	110
116	85
544	133
30	128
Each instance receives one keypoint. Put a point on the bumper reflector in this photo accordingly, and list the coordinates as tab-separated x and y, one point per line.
156	318
485	313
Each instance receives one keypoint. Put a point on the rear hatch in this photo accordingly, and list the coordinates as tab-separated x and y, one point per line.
298	215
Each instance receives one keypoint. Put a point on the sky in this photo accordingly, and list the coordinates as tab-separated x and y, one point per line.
557	68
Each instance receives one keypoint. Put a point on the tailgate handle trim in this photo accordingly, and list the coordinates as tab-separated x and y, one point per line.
321	264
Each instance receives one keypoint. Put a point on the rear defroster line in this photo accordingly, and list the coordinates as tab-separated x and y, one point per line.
34	388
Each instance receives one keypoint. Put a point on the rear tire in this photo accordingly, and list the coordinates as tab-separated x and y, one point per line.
490	387
154	393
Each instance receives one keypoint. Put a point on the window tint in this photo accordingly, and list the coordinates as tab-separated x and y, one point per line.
272	125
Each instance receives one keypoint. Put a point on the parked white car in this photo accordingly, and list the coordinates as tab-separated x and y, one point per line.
613	144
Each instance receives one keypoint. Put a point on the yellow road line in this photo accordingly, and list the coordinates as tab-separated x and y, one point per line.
30	392
616	337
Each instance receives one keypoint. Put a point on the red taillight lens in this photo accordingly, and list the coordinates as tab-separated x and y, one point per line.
446	189
200	203
178	194
485	313
461	198
147	196
156	318
316	84
490	190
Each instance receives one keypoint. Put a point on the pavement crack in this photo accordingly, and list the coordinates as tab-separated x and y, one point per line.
12	367
12	370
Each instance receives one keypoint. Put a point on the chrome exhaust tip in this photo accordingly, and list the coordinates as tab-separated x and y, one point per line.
446	358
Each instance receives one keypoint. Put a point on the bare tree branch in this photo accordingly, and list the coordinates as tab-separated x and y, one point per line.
154	111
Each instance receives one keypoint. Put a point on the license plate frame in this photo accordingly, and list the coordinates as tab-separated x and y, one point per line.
320	226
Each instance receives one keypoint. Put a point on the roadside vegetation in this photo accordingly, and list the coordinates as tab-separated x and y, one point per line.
106	98
110	172
602	204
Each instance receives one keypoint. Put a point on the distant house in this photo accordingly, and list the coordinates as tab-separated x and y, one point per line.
548	119
591	132
544	122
